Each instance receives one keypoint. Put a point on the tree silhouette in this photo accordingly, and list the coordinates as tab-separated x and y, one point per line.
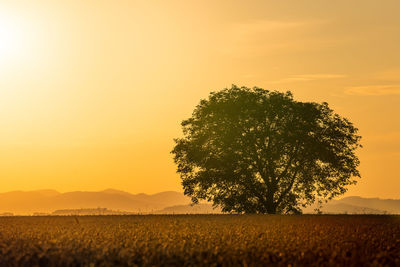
251	150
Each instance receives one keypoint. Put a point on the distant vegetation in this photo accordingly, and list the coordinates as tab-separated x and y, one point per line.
82	212
200	240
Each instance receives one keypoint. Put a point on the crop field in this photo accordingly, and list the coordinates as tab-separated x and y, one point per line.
200	240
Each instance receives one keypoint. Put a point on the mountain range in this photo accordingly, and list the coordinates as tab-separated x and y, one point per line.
359	205
47	201
169	202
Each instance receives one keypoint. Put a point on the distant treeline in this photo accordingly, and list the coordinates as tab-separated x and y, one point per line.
64	212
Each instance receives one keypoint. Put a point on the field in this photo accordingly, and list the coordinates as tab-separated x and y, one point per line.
200	240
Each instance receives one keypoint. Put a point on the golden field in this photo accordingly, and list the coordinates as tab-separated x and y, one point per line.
200	240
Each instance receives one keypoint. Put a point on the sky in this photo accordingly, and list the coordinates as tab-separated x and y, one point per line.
92	93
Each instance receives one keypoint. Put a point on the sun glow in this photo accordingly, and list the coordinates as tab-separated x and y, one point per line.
11	37
17	40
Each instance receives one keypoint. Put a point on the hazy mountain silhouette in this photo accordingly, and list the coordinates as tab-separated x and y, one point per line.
347	205
389	205
169	202
343	208
359	205
47	201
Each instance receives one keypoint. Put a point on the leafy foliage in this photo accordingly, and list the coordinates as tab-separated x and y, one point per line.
257	151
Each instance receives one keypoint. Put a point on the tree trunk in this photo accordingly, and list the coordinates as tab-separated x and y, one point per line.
271	207
271	210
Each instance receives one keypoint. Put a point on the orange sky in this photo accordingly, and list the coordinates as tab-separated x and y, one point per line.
92	92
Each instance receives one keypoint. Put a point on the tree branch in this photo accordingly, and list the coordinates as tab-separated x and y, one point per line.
287	190
295	150
266	148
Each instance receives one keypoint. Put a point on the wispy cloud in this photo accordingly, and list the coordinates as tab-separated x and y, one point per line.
374	90
308	77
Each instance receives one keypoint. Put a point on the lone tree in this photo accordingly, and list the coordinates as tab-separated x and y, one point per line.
251	150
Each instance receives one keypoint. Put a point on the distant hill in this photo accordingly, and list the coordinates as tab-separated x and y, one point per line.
169	202
359	205
347	205
343	208
47	201
388	205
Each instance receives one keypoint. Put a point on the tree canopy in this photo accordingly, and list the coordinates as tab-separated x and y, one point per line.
250	150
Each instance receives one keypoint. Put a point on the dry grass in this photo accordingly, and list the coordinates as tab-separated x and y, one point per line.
200	240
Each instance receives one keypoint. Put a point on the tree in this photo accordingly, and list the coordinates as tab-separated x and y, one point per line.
250	150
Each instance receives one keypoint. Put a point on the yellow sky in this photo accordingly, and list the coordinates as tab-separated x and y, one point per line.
92	92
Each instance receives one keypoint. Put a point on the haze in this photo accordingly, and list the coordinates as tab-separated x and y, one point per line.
93	92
